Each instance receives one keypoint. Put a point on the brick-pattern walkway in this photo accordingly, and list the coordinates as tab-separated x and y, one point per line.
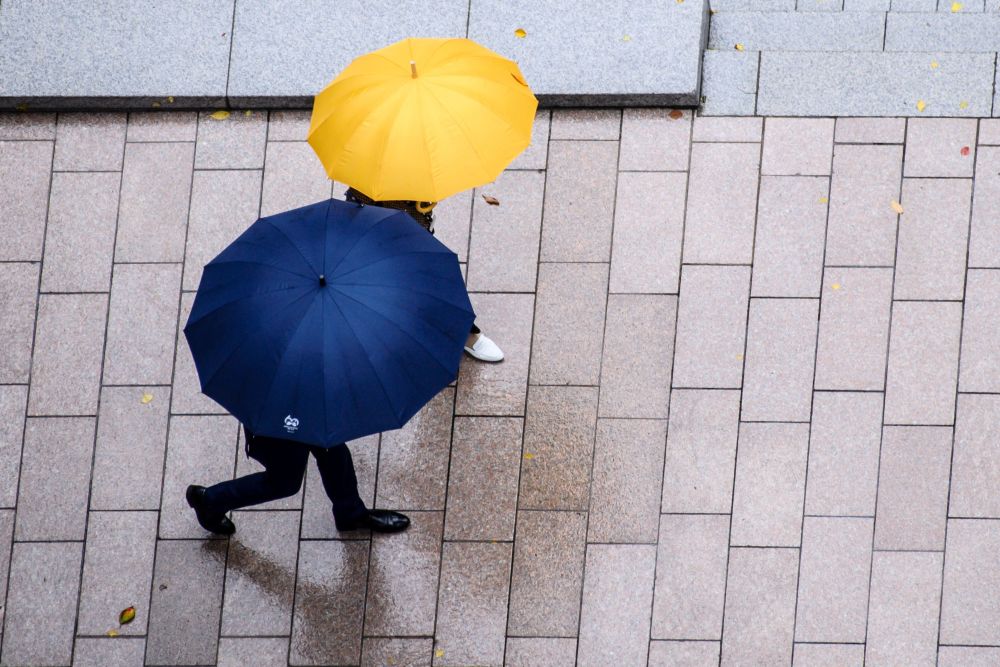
749	412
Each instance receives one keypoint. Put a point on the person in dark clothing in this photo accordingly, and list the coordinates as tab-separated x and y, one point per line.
284	464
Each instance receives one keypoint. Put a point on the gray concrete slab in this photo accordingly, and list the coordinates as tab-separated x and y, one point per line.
797	31
729	83
962	33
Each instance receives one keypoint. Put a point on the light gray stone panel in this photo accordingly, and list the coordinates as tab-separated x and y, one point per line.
959	32
729	83
797	31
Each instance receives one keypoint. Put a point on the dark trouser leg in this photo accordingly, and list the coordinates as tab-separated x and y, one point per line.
475	329
336	469
284	465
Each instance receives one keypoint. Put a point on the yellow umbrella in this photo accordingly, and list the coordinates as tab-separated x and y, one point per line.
422	119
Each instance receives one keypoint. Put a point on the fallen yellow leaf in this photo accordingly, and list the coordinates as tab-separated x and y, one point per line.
921	105
956	7
170	98
739	47
529	456
520	32
963	105
156	104
739	357
127	616
823	200
221	114
439	653
248	113
897	207
146	398
934	64
626	38
835	286
112	633
23	106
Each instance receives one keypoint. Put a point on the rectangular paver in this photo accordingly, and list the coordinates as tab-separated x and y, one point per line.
943	32
263	651
903	609
797	146
234	142
975	489
695	654
968	656
377	651
18	301
159	126
969	613
799	31
590	124
24	197
88	141
13	403
293	177
870	130
980	367
829	655
984	235
27	125
548	652
97	652
729	83
940	147
655	139
727	128
760	606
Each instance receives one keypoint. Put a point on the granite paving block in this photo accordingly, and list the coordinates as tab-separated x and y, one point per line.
415	652
833	580
797	31
791	235
503	251
844	453
156	193
873	84
701	451
248	466
403	579
55	478
970	613
690	589
559	433
317	510
854	328
655	139
186	602
535	156
914	5
260	651
482	484
329	603
689	654
820	5
24	198
472	603
569	324
934	147
870	130
781	350
771	5
770	485
586	124
797	146
627	480
548	652
933	239
968	656
760	606
711	326
142	324
635	366
6	538
260	574
13	402
964	7
989	130
984	235
976	458
186	396
288	125
18	295
729	83
980	367
579	201
913	487
162	126
293	177
223	205
722	202
85	141
862	223
117	571
100	652
727	128
903	608
234	142
452	222
923	363
41	603
80	236
21	125
200	450
413	460
498	389
829	655
943	32
547	577
646	244
617	598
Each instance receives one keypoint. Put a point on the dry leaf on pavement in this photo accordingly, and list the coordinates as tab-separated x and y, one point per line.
492	201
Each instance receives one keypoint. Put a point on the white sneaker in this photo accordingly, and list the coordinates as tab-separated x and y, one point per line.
485	349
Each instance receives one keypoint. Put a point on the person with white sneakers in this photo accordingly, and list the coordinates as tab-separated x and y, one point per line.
477	345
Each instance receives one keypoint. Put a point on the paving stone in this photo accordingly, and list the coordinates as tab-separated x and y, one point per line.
87	141
760	606
980	368
976	459
984	235
870	130
186	396
964	7
727	128
559	431
791	231
293	177
21	125
770	485
55	476
248	466
797	31
913	488
628	468
287	125
797	146
862	224
162	126
142	324
317	510
711	326
117	571
646	247
223	205
690	589
729	83
833	580
844	453
914	5
548	652
934	147
41	603
579	201
653	140
617	597
829	655
403	579
413	461
18	295
943	32
6	539
329	603
99	652
586	124
24	198
970	613
690	654
80	236
781	352
547	578
472	603
535	156
453	223
482	484
503	251
378	651
261	651
234	142
771	5
989	131
820	5
967	656
872	83
13	403
923	363
903	608
569	324
701	451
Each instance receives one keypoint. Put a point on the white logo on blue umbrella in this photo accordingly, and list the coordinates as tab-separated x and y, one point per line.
291	424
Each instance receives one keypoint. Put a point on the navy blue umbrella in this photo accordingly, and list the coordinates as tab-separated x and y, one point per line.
329	322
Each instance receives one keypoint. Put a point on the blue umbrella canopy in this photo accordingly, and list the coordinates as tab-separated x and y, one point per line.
329	322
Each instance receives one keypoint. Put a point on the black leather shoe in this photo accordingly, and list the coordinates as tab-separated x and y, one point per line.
379	521
213	523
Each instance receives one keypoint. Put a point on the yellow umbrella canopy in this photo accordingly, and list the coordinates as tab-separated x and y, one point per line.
422	119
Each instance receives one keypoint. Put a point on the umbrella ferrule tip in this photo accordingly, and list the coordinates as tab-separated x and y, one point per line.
322	281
